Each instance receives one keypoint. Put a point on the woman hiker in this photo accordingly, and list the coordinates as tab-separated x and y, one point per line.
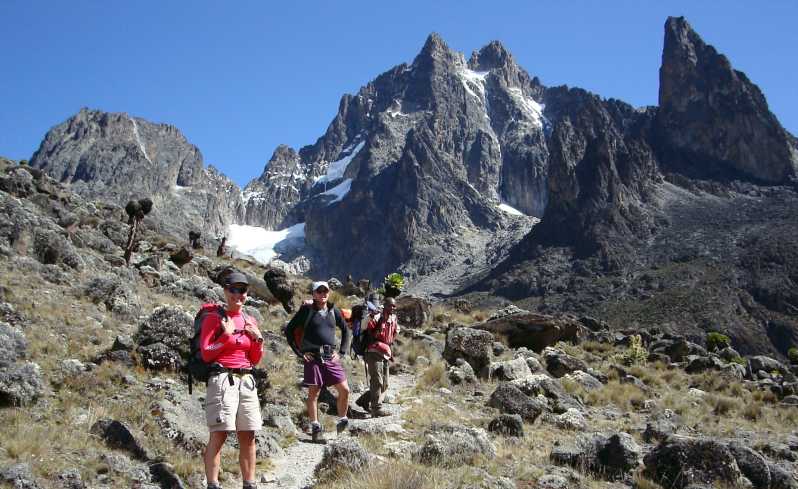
234	345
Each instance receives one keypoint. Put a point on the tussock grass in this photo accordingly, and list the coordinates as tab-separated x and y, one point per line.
391	475
624	396
445	315
434	376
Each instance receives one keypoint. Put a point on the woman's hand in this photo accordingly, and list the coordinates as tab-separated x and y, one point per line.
228	326
253	332
308	357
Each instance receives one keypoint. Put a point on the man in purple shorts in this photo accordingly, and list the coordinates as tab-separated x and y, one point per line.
311	334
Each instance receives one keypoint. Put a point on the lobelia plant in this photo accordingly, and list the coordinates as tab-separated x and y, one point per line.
393	284
636	354
136	210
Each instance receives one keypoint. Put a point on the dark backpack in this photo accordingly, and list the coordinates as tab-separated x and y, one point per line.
360	337
196	367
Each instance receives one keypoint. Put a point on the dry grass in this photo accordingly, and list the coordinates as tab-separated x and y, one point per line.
444	315
392	476
434	376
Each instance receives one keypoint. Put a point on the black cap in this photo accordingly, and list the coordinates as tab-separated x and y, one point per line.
236	278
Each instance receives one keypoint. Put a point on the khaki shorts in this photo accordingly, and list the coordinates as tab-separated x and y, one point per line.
232	407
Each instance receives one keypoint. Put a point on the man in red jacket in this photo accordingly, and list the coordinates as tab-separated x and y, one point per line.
381	331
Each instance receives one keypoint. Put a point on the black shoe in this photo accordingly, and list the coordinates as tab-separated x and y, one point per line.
316	433
341	425
249	485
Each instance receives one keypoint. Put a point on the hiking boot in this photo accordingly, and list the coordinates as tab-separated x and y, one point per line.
379	413
249	485
213	485
363	401
316	433
341	425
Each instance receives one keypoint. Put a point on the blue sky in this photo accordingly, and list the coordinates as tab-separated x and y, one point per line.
239	78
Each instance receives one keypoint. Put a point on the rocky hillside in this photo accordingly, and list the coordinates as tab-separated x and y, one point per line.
116	158
91	394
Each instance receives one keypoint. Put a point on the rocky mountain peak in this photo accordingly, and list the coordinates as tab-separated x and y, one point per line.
493	55
712	121
435	52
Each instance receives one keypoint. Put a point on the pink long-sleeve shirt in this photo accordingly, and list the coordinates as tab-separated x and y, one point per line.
235	350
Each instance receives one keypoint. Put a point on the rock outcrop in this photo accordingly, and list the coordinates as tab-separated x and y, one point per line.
713	122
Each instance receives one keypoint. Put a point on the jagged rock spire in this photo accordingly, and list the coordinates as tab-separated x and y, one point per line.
713	122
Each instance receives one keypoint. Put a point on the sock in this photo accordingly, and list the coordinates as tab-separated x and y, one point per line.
343	418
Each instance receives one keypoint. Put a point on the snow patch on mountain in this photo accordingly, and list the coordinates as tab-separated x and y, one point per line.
260	243
339	191
138	138
336	169
473	82
532	109
510	210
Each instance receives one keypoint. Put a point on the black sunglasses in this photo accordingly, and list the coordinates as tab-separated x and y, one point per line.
237	289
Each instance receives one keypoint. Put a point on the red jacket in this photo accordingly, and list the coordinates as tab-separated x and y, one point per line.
235	350
383	331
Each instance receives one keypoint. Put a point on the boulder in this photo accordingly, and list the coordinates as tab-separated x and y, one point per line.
19	476
71	479
278	284
170	326
182	256
584	379
781	477
115	293
537	385
473	346
677	349
413	312
765	364
698	364
453	445
508	370
13	345
661	425
612	456
534	331
752	465
559	363
681	461
507	425
509	399
343	455
571	419
117	435
20	384
461	372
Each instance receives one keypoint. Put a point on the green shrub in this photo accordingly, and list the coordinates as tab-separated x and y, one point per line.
792	354
717	341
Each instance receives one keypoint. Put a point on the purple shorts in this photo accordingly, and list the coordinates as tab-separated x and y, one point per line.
328	373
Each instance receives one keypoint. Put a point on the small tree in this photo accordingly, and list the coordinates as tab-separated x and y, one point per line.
792	354
136	210
717	341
